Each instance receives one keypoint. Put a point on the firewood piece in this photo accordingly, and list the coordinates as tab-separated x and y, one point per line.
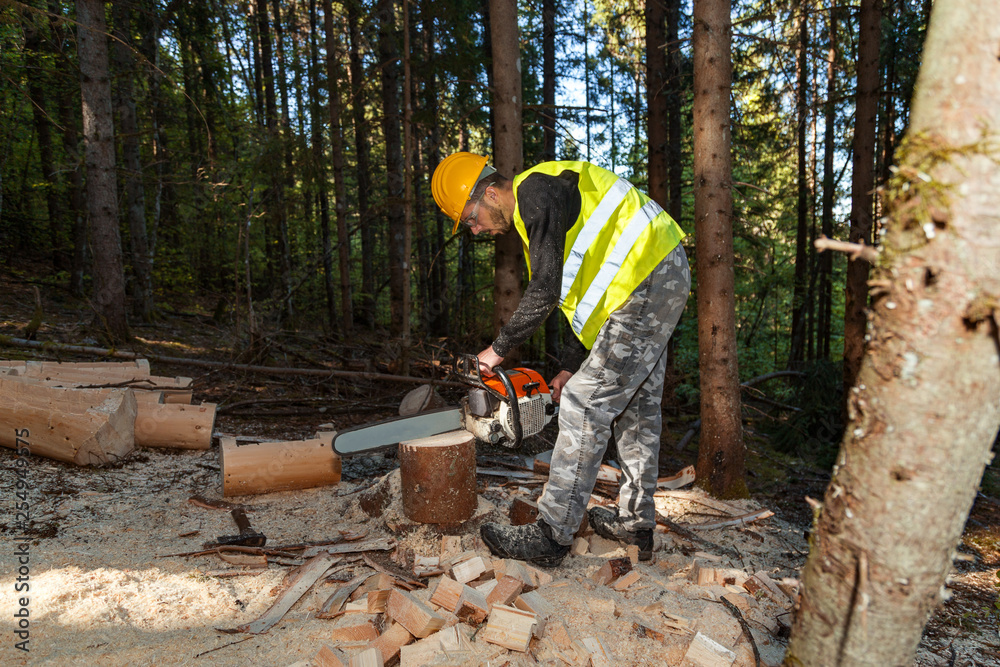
704	651
611	570
646	632
412	614
533	602
361	632
438	477
370	657
301	582
626	580
599	654
580	546
701	574
516	569
471	569
472	606
327	656
771	589
175	425
539	578
450	641
447	593
508	627
377	601
632	551
67	424
486	587
379	581
451	545
426	566
523	512
277	466
559	634
390	641
506	591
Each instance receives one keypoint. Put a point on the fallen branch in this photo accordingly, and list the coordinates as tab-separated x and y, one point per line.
302	582
337	600
735	611
682	443
691	537
736	520
855	250
407	583
223	365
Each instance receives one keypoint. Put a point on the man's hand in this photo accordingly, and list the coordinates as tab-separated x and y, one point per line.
487	360
557	383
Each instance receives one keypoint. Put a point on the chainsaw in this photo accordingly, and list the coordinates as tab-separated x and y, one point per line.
499	410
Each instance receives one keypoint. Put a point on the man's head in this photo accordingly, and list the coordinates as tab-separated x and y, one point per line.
470	192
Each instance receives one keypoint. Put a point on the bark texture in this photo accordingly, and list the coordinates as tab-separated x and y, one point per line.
925	410
862	184
102	189
721	450
508	143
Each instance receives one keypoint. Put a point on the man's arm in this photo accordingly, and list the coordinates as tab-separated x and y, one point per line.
549	206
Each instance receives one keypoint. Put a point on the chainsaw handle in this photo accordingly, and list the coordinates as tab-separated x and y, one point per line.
515	409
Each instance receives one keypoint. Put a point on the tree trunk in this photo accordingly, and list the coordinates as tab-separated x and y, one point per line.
399	283
825	289
442	298
675	89
721	449
135	194
862	183
337	160
658	113
366	221
924	410
102	189
319	170
508	143
796	351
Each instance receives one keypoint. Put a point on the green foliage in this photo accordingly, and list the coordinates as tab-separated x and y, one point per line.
813	433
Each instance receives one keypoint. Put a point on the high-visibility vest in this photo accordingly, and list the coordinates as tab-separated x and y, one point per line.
618	239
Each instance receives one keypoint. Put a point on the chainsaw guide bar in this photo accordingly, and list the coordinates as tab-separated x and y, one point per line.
390	432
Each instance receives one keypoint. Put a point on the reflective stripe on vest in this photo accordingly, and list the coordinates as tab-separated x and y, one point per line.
617	240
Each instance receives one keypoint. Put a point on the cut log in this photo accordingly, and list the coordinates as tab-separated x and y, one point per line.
175	425
438	477
533	602
327	656
611	570
370	657
390	641
277	466
506	591
424	397
447	593
626	580
301	581
702	574
471	569
362	632
706	652
67	425
412	614
137	366
472	606
177	389
508	627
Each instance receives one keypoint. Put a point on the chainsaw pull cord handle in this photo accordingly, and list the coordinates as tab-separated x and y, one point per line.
515	409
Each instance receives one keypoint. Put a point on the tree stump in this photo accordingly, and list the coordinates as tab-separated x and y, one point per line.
438	476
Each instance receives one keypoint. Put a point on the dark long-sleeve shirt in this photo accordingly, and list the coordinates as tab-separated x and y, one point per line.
549	206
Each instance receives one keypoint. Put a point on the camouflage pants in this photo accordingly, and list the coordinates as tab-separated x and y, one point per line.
616	395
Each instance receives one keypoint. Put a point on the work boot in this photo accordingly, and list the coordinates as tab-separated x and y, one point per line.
531	542
608	525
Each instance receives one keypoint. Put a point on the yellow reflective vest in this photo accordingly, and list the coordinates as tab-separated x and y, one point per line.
618	239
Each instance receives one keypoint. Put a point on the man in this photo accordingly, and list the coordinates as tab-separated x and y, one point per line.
610	258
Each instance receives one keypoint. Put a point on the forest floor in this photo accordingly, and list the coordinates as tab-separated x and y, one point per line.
104	589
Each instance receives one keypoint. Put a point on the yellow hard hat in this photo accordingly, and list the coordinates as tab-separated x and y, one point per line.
455	179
